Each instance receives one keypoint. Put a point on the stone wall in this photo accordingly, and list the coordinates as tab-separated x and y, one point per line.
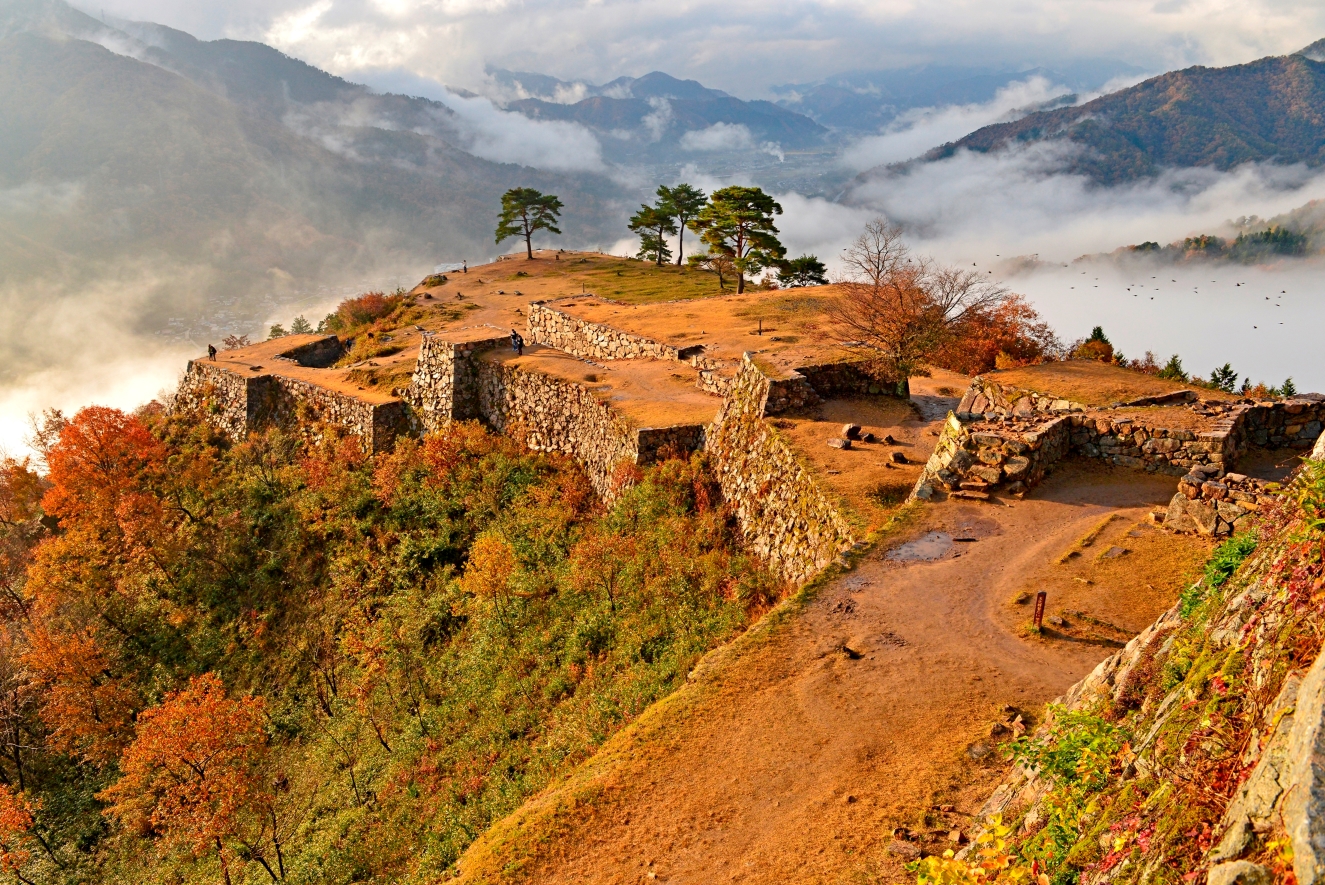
992	421
556	415
594	341
444	386
784	515
977	458
221	396
1217	506
237	406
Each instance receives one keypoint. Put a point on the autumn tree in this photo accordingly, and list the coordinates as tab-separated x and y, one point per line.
683	203
193	774
1008	334
524	211
903	307
738	222
15	831
653	224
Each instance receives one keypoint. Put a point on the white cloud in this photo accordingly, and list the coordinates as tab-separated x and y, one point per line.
508	137
743	46
718	137
918	130
1020	201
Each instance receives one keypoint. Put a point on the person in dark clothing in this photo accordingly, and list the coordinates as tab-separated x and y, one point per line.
517	343
464	266
211	352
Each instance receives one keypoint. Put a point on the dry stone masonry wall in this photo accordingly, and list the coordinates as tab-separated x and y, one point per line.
237	405
1010	438
593	341
784	515
444	387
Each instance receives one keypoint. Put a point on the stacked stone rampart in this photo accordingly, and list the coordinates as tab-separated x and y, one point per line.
237	405
557	415
1210	505
784	515
444	386
976	458
593	341
222	396
1010	438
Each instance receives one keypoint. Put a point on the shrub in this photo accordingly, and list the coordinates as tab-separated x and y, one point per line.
1223	563
362	310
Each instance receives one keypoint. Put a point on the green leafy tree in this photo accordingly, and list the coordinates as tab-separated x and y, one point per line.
1173	370
1225	378
738	222
300	326
276	331
525	210
807	270
683	203
1288	388
653	224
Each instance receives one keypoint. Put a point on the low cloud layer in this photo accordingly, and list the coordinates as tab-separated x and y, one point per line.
916	131
501	136
743	46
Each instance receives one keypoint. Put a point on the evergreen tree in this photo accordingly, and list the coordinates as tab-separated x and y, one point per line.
1288	388
1173	370
1225	378
525	210
300	326
738	222
653	223
683	203
807	270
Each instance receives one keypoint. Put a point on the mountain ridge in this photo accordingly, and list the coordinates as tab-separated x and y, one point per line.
1264	110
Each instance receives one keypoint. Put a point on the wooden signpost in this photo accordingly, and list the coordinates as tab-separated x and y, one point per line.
1039	608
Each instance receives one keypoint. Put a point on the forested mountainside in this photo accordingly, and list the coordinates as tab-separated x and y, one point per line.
1267	110
285	661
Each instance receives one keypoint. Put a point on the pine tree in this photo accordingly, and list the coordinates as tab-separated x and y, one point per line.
683	203
738	222
807	270
653	223
525	210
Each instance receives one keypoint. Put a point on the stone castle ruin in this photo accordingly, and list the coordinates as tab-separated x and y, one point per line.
620	385
604	393
1008	438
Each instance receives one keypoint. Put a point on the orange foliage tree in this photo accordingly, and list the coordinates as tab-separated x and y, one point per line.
15	830
1008	334
193	772
87	710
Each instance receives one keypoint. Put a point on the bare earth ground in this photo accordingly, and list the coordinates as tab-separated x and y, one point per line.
866	710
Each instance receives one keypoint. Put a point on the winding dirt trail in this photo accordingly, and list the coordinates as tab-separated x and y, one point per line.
795	759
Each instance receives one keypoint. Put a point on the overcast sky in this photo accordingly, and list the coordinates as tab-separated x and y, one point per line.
743	46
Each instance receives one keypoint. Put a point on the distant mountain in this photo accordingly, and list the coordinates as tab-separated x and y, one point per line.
866	101
1268	110
658	116
231	165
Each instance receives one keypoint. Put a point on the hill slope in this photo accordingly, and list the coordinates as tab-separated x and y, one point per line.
1268	110
225	170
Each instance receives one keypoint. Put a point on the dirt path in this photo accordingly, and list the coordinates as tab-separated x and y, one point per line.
867	708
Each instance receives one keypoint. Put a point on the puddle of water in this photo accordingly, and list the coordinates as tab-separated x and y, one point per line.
926	548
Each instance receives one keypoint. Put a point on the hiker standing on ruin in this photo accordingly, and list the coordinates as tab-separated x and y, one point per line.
211	352
464	266
517	343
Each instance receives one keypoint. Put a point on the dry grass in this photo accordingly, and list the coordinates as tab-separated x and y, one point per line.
1092	383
